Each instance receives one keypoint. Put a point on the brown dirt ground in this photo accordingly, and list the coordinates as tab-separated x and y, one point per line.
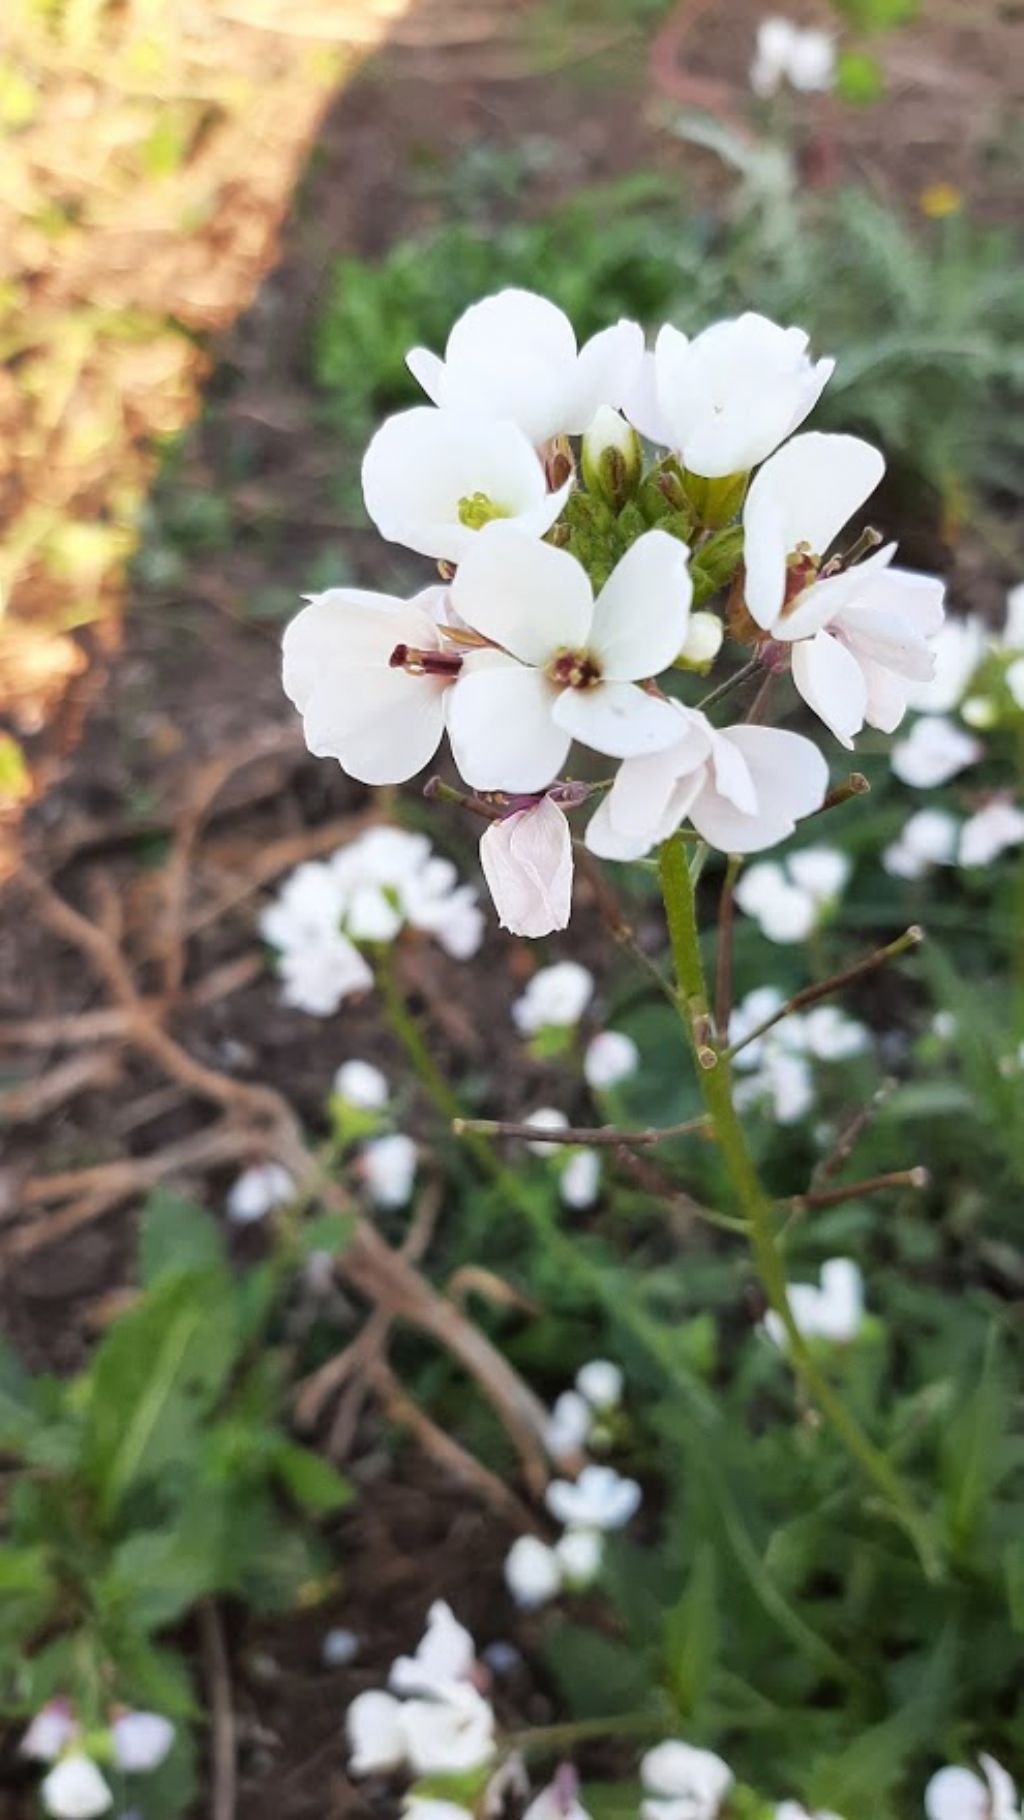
196	676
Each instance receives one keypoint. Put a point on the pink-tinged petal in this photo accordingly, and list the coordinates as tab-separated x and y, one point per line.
819	604
643	787
421	463
790	777
428	371
527	862
642	611
731	774
879	635
605	373
501	727
886	696
617	718
525	596
831	682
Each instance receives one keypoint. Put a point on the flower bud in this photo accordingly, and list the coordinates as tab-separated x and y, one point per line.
75	1789
527	862
611	458
704	636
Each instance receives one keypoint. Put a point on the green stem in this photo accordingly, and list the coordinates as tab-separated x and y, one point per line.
716	1088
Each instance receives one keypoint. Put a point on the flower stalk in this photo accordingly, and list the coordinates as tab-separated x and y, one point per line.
716	1088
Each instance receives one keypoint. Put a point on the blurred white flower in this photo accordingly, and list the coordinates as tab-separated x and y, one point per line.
559	1801
833	1309
599	1499
959	1794
776	1067
376	1735
555	996
743	788
990	832
610	1058
957	649
927	839
1015	681
792	1810
75	1789
579	1553
858	635
787	899
828	1034
432	480
257	1191
449	1735
445	1654
514	356
727	398
562	665
362	1085
686	1783
527	862
532	1572
141	1742
549	1119
1013	627
600	1382
432	1807
50	1732
579	1183
387	1167
339	1648
799	55
934	751
569	1424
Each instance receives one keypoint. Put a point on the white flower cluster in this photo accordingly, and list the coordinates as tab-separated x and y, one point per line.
76	1788
431	1720
386	1162
798	55
777	1067
600	1499
832	1309
789	899
366	892
525	651
959	1794
935	837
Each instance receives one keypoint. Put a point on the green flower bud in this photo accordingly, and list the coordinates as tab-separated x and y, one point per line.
704	636
611	458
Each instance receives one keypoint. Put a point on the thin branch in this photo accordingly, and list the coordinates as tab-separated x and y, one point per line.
850	1136
745	674
443	1448
224	1780
599	1135
852	1191
854	785
619	927
810	995
35	1099
662	1187
723	957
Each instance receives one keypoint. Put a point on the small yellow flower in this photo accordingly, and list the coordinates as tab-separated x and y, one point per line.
940	200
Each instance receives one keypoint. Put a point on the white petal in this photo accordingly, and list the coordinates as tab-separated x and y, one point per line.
428	371
501	725
819	604
831	682
934	751
641	613
422	463
141	1740
75	1789
640	403
523	595
527	862
956	1794
804	494
532	1572
790	778
605	373
617	718
886	701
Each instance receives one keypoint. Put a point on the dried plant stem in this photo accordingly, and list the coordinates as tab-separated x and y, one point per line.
810	995
716	1088
611	1136
852	1191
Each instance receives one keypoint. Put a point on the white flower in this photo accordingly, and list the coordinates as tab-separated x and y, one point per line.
832	1310
318	975
362	1085
532	1572
257	1191
433	479
785	1081
566	667
990	832
958	1794
580	1181
689	1784
141	1742
376	1735
306	909
957	648
387	1166
928	838
569	1424
743	788
610	1058
381	721
747	1016
599	1499
432	1807
448	1735
1015	681
934	751
828	1034
389	876
727	398
859	634
787	900
445	1654
435	902
527	862
791	1810
558	1801
600	1381
549	1119
514	356
50	1732
556	995
580	1553
75	1789
804	58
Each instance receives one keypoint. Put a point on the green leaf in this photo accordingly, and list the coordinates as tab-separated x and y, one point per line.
859	78
331	1232
312	1481
176	1236
692	1634
598	1675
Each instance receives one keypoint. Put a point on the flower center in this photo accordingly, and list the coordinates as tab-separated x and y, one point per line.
801	570
574	670
478	509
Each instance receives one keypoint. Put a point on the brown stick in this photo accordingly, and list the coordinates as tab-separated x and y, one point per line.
810	995
224	1780
852	1191
599	1135
447	1451
23	1105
